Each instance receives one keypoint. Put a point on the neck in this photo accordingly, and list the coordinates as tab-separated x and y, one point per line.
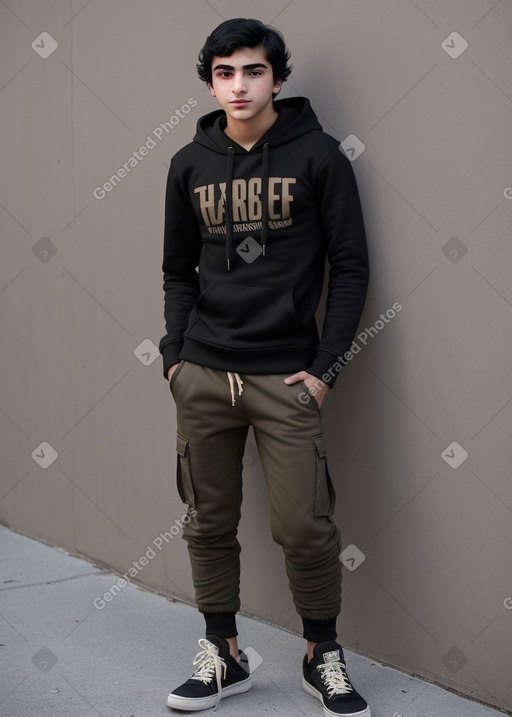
247	133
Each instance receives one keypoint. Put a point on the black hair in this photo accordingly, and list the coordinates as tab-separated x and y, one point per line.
240	32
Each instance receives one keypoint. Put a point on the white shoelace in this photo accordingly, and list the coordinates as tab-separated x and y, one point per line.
209	665
335	678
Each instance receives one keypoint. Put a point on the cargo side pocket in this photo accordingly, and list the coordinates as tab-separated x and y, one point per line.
325	496
183	476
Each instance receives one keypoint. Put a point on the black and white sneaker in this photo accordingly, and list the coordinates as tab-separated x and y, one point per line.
217	675
325	677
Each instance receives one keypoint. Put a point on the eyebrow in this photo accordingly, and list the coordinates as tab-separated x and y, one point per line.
245	67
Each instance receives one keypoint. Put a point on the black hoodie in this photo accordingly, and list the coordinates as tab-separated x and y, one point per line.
243	277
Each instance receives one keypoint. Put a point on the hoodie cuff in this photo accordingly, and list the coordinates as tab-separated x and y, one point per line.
170	356
327	367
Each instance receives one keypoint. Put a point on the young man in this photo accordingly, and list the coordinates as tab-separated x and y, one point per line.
254	206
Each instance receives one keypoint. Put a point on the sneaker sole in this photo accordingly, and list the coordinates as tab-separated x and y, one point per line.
327	712
193	704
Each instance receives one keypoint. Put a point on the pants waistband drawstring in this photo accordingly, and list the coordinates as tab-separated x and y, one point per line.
232	375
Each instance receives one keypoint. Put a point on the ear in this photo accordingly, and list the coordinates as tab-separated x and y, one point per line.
278	86
212	91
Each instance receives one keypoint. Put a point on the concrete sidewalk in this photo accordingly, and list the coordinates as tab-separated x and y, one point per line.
63	657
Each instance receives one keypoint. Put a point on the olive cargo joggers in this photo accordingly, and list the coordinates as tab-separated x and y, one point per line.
214	411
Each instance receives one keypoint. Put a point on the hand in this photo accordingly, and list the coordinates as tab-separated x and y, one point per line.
317	388
171	370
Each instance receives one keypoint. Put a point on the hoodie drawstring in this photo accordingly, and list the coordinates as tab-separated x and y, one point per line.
228	201
264	197
232	375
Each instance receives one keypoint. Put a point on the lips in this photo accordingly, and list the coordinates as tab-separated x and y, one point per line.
239	102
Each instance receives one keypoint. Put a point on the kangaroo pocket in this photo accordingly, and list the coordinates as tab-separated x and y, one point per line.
241	316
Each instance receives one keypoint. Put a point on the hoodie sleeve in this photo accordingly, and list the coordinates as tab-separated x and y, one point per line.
343	229
182	247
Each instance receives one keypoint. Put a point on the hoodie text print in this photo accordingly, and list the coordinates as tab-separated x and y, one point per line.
247	233
245	202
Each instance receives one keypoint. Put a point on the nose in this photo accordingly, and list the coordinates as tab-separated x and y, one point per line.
239	83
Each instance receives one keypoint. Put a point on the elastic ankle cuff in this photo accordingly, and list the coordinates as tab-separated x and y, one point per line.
222	624
319	630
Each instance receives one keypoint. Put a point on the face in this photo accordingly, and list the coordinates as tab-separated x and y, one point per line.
243	83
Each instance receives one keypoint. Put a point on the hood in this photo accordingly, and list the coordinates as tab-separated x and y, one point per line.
296	118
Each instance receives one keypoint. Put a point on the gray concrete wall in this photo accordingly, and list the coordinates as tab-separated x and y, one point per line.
418	426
